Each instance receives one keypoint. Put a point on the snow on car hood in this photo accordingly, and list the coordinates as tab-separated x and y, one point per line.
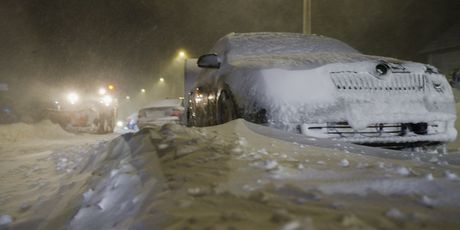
293	95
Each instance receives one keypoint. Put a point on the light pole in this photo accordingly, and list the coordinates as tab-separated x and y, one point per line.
306	17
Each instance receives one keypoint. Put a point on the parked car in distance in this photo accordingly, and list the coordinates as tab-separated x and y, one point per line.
321	87
161	112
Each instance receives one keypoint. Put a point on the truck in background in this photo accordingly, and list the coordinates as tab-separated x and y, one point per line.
92	113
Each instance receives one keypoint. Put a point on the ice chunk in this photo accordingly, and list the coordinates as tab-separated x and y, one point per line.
163	146
5	220
427	201
237	150
395	213
403	171
263	151
113	173
87	195
242	141
450	175
344	163
270	164
429	177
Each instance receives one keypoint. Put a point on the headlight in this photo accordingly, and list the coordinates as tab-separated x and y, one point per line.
106	100
102	91
382	68
72	98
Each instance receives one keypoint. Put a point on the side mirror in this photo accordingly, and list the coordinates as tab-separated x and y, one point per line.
209	61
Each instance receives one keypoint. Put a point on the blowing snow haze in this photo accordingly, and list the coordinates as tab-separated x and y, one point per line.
132	43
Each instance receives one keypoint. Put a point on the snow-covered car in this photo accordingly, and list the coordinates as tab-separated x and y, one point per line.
160	112
322	87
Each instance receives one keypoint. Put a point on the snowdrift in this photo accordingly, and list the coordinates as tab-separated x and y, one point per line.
228	176
232	177
22	131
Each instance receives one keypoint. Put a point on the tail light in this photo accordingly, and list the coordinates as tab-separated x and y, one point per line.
175	113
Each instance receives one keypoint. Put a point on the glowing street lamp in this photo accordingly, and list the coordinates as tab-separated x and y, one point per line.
111	87
181	55
142	90
162	80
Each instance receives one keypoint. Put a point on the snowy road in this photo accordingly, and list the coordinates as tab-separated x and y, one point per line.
233	176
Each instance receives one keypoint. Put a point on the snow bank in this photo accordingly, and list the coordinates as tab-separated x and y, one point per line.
22	131
231	177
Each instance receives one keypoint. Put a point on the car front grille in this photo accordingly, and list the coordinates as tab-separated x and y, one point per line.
343	129
345	81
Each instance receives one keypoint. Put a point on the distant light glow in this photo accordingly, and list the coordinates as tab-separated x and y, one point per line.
107	100
162	80
120	123
102	91
128	97
142	90
199	98
111	87
73	98
181	56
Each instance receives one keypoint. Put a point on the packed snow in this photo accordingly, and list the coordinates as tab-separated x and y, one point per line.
233	176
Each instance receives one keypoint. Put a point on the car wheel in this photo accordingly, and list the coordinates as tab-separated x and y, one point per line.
226	108
189	122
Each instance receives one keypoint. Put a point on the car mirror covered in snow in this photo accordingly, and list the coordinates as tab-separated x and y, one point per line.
209	61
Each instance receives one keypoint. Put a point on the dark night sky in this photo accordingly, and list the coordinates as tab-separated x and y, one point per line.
130	42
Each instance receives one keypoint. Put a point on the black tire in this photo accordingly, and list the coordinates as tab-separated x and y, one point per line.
190	122
226	110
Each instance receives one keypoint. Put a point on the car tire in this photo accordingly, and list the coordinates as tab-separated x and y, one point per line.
225	108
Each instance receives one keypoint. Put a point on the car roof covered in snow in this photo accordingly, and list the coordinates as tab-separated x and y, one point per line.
280	43
287	50
164	103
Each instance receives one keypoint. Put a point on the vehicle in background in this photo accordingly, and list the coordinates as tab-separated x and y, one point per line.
93	113
131	121
321	87
7	112
161	112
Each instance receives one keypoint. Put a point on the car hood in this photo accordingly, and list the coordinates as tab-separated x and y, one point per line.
340	91
303	61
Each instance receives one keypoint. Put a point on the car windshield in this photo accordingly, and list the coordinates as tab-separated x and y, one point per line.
157	112
262	44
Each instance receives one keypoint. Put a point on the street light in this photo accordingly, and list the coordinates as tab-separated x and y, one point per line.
162	79
142	90
181	55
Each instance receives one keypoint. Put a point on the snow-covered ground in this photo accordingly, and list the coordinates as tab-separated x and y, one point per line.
232	176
